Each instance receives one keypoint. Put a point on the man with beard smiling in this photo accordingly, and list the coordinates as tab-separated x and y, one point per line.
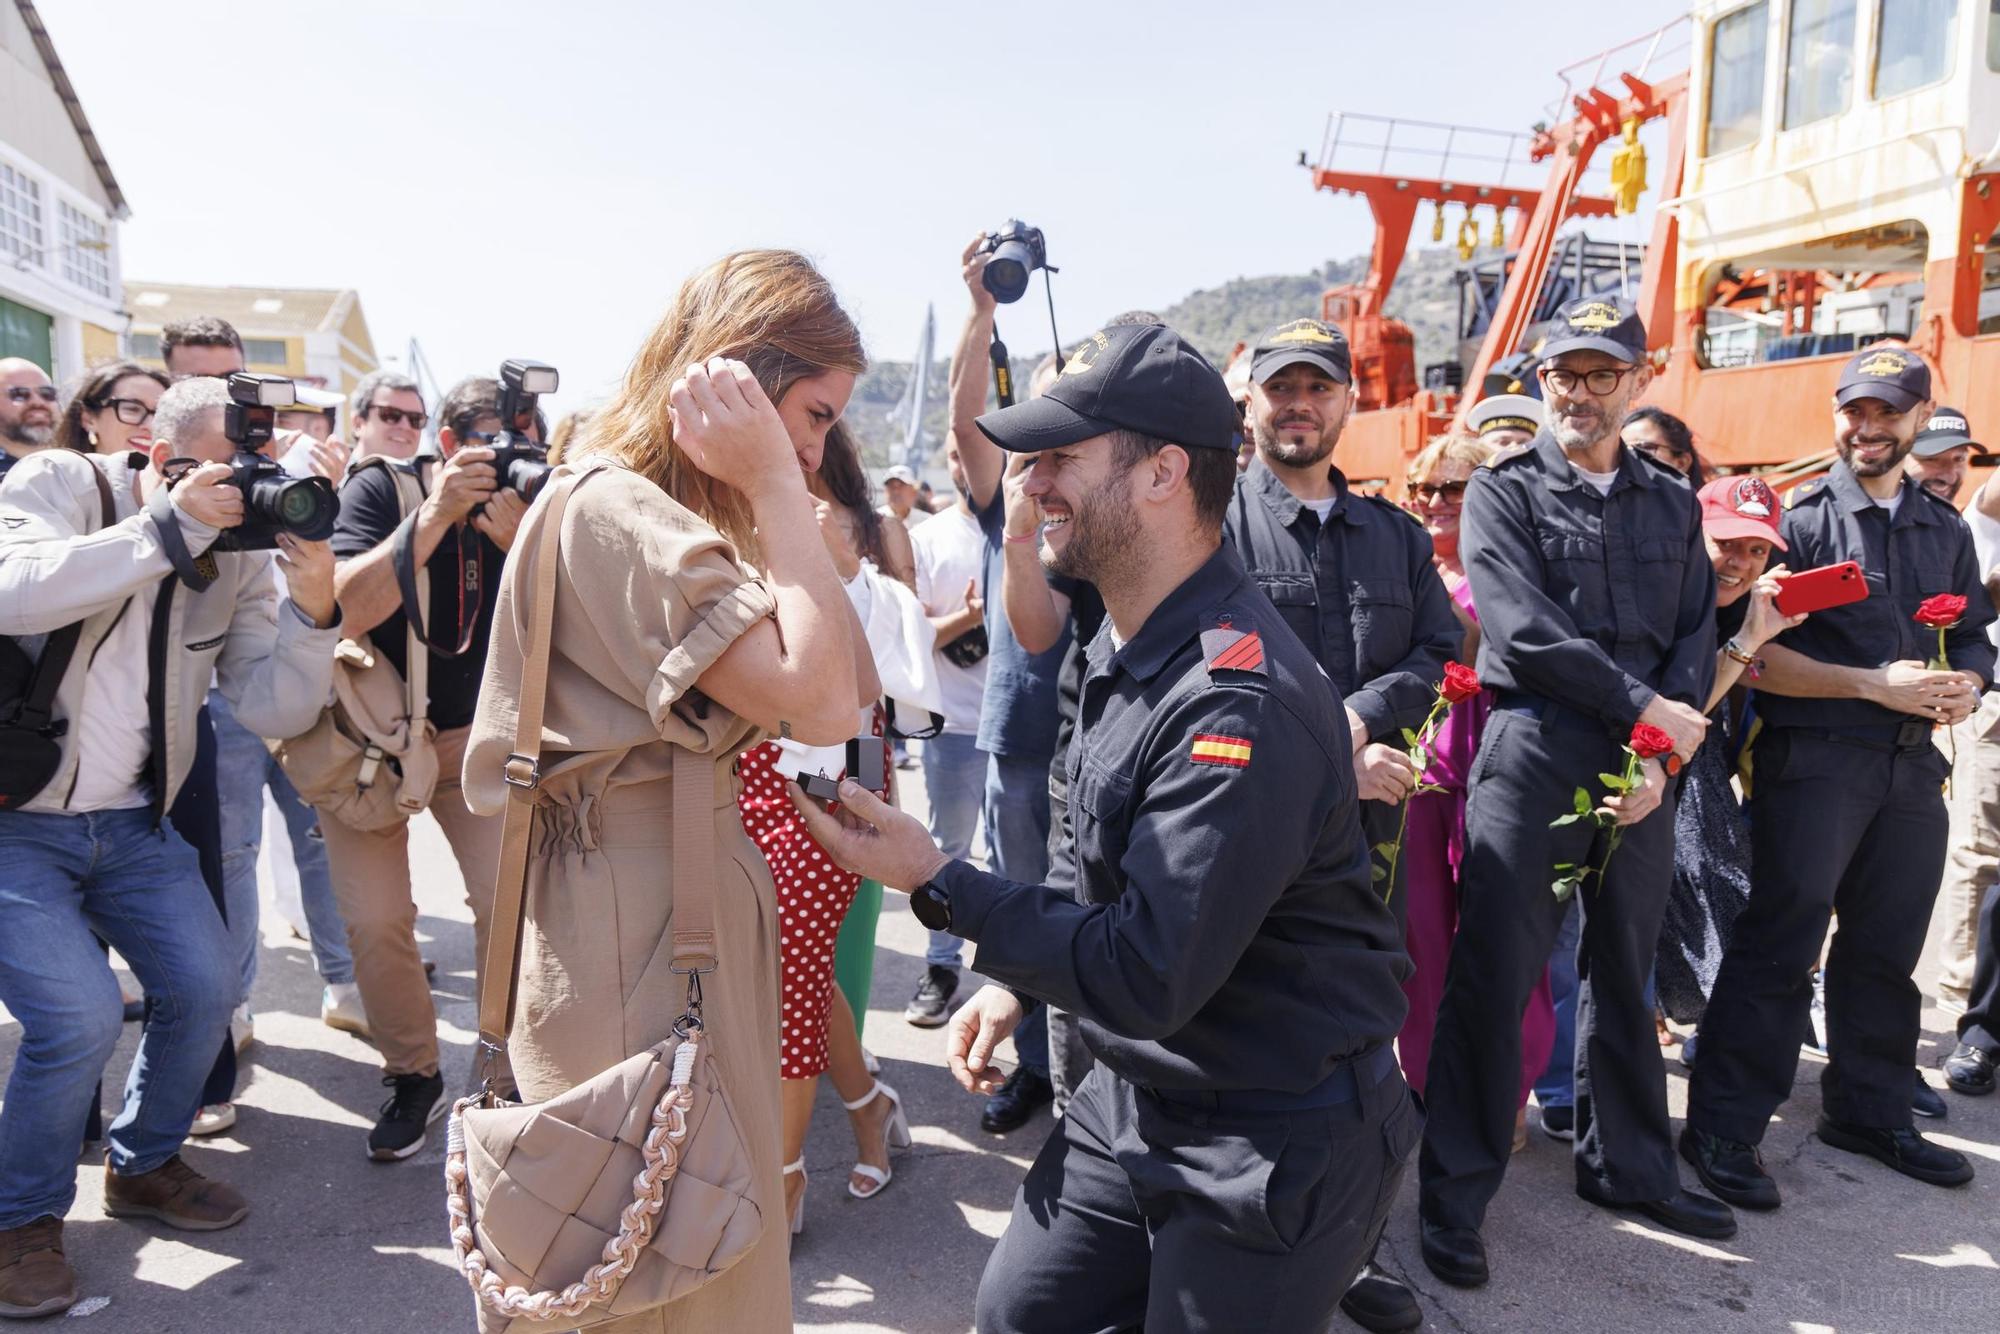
27	410
1209	918
1352	576
1596	598
1847	814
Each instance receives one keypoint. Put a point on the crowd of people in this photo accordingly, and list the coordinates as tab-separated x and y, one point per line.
1298	797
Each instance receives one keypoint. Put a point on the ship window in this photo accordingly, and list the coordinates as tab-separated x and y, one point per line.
1736	78
1819	60
1993	35
1914	48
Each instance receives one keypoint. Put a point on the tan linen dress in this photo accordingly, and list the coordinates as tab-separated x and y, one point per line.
649	596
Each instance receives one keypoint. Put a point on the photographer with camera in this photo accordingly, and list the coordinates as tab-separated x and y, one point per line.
119	570
458	537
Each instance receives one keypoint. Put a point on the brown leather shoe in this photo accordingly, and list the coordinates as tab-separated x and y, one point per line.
34	1277
175	1194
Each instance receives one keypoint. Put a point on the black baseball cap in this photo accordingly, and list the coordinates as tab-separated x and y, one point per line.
1131	377
1307	342
1895	375
1946	430
1593	324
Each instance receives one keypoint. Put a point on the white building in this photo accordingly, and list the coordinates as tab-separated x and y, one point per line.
60	206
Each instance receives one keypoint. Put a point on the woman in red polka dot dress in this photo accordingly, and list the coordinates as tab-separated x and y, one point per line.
818	1033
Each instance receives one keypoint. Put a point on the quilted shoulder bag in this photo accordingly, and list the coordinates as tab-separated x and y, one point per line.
633	1188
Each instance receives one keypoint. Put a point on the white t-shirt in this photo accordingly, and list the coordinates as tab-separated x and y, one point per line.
951	552
1893	503
1320	507
1601	480
114	736
1985	548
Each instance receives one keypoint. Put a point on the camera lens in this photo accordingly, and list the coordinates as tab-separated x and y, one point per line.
526	477
304	507
1006	274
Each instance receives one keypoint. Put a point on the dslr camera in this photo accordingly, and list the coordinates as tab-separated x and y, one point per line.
1017	250
519	463
273	500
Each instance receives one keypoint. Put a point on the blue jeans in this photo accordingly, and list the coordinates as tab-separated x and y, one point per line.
954	780
244	767
1557	1086
140	889
1017	825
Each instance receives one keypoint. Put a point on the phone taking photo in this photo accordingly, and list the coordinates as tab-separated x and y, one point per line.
818	769
1817	590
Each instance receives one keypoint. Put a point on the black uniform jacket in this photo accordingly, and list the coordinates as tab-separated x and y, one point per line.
1210	915
1924	550
1597	602
1359	590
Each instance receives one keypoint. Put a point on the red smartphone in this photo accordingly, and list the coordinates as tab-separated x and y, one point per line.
1816	590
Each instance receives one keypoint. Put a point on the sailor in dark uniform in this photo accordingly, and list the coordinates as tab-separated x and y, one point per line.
1847	812
1597	600
1210	918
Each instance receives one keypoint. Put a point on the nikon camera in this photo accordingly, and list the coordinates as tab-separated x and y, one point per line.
273	500
1017	250
518	462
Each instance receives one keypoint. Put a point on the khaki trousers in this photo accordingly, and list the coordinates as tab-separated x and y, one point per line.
371	883
1973	861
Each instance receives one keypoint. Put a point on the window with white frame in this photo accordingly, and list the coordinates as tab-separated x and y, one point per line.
20	214
86	250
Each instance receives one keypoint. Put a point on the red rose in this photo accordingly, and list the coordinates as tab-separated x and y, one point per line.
1460	683
1941	612
1649	742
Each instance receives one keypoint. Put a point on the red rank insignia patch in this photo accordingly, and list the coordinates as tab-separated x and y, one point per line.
1225	648
1232	752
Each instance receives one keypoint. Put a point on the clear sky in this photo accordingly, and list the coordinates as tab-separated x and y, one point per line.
518	179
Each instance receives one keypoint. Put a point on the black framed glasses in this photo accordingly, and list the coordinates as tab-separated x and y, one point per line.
1602	381
397	416
1429	493
129	410
21	393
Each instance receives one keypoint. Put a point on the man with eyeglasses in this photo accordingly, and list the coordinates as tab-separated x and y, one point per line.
1352	576
459	536
28	410
1596	599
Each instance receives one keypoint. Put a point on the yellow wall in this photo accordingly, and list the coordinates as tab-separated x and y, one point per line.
99	345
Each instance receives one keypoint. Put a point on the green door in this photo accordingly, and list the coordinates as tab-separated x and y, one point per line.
26	332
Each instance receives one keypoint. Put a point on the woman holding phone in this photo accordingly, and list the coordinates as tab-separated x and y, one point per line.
696	609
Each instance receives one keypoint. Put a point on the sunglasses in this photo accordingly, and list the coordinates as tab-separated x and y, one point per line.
397	416
1430	492
19	393
129	410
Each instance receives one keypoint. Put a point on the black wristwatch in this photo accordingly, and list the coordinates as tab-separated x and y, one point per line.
931	905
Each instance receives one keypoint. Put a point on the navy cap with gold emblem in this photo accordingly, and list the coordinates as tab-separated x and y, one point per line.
1895	375
1133	377
1302	342
1594	324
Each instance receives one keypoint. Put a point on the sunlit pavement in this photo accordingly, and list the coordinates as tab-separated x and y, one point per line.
338	1243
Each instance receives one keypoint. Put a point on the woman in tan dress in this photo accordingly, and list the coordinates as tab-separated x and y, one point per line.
697	608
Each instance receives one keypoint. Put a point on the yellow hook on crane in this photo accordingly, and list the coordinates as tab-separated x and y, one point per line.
1468	236
1499	229
1628	171
1437	221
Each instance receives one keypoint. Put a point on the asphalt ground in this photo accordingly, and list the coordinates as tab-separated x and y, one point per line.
338	1243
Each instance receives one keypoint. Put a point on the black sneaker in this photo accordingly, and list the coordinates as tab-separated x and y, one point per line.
1559	1122
928	1008
1926	1101
1010	1108
1969	1070
1900	1148
417	1101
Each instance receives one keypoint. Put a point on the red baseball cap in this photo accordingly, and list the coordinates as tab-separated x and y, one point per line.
1740	507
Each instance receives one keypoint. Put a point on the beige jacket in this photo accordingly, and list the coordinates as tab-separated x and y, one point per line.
57	566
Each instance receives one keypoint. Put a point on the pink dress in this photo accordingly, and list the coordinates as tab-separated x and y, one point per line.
1433	851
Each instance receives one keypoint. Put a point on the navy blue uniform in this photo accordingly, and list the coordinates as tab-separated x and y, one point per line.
1360	592
1847	816
1592	604
1210	920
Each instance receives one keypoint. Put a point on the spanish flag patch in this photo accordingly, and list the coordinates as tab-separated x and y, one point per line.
1212	748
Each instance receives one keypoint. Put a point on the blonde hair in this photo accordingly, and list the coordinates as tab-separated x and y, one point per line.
771	310
1448	448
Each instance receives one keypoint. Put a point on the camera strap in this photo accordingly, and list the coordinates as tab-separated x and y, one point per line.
196	572
471	584
35	711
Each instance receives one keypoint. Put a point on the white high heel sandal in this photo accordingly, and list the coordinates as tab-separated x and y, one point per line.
895	1132
799	1209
